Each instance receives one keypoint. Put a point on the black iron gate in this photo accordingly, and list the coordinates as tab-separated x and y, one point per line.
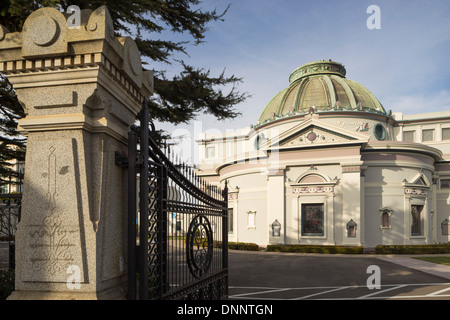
180	223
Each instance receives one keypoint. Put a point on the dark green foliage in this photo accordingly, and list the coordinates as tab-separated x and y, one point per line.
380	249
315	249
243	246
181	98
413	249
12	144
238	246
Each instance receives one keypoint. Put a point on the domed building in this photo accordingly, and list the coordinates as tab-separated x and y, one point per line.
326	164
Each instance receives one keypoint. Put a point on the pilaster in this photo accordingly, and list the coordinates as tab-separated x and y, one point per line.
276	204
351	201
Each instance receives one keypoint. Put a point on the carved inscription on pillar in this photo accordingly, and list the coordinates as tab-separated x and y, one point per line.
52	237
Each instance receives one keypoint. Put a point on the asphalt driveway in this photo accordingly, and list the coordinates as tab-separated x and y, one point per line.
265	275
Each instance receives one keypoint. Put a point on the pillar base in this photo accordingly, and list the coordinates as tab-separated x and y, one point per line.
116	293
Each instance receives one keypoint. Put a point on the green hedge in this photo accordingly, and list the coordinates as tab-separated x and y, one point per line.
315	249
413	249
238	246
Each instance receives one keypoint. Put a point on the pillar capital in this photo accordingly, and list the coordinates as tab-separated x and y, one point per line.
89	77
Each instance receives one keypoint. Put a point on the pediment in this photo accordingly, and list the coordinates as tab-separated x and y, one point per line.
313	132
420	180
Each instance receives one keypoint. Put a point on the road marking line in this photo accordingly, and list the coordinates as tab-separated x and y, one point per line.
253	298
378	292
320	293
260	292
374	295
418	296
438	292
392	297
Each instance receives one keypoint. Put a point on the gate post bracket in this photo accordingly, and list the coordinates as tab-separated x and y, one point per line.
121	160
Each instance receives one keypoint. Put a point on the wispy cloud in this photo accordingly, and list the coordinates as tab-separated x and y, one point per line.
420	103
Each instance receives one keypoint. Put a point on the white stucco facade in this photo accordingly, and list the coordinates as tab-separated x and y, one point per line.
328	173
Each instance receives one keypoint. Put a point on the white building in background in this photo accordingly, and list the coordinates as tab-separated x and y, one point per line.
326	164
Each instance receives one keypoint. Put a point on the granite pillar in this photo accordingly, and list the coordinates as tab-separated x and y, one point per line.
81	88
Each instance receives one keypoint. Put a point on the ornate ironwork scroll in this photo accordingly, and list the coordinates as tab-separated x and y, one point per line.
183	225
199	241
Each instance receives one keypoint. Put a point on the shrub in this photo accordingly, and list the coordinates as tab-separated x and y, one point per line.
238	246
6	283
413	249
315	249
243	246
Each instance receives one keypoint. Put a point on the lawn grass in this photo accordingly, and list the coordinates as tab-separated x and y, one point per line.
440	260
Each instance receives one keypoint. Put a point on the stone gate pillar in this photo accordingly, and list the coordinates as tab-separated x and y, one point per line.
81	88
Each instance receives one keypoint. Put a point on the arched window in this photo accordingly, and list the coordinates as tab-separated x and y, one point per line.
385	218
445	227
276	228
351	229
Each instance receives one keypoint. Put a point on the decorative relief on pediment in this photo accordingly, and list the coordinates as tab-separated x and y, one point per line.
360	126
316	136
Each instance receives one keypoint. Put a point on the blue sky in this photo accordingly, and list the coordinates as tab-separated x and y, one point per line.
405	64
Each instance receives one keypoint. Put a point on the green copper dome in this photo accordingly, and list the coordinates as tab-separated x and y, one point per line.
320	85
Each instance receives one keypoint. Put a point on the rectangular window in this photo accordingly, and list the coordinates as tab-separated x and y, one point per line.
416	220
251	220
312	219
230	220
428	135
210	152
408	136
229	147
446	134
445	184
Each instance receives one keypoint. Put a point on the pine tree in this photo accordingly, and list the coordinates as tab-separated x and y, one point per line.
12	144
178	99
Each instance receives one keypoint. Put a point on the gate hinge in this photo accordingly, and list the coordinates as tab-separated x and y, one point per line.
121	160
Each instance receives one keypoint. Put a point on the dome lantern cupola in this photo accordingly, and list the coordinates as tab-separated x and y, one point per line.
318	67
321	85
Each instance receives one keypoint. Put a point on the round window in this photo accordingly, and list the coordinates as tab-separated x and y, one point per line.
379	131
258	141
